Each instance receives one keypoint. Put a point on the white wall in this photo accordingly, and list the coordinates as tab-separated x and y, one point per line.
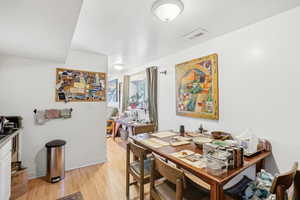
258	84
26	84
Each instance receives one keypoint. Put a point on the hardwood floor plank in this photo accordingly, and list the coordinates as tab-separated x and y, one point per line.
98	182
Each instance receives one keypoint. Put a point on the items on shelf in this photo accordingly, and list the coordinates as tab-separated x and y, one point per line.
42	116
9	124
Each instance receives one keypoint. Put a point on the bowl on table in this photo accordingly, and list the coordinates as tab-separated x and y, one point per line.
199	141
220	135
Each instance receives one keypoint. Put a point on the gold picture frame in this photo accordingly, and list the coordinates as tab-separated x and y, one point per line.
197	91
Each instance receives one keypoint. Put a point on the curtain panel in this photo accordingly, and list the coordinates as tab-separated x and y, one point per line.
151	73
125	96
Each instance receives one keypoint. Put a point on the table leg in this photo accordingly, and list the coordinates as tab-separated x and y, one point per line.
260	165
113	128
117	126
216	192
130	131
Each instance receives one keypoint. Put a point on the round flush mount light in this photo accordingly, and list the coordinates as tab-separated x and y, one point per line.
119	67
167	10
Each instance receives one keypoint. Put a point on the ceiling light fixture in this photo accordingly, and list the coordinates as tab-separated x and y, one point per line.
119	67
167	10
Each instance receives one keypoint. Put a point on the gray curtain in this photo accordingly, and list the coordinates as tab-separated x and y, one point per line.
125	96
152	95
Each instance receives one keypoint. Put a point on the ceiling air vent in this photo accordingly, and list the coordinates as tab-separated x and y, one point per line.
195	34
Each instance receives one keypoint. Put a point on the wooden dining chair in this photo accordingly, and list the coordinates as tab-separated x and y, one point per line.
197	182
280	185
173	185
139	168
232	193
110	125
296	195
283	182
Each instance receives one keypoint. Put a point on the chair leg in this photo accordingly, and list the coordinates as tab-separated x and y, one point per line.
280	193
141	191
127	185
151	197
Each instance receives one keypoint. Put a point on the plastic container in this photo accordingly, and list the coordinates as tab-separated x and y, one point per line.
216	167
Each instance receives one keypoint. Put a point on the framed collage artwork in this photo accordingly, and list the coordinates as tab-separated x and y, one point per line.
80	86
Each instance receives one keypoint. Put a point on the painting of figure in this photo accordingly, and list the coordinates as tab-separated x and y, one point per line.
112	93
197	88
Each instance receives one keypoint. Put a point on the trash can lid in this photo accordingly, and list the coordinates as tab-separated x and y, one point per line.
55	143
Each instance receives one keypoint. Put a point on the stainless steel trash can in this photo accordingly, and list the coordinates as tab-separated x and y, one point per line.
55	160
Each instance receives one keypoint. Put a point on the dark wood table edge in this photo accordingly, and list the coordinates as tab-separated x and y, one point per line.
217	192
223	181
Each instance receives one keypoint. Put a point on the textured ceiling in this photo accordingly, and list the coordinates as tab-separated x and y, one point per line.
40	29
128	33
125	30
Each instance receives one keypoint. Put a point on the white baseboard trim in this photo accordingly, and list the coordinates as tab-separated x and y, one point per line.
73	168
86	165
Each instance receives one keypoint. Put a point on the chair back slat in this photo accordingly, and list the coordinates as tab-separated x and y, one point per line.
139	155
136	150
284	181
169	172
297	186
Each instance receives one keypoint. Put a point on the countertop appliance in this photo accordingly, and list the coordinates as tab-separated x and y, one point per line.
8	124
2	122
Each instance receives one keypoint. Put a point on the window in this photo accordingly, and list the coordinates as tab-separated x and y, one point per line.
138	91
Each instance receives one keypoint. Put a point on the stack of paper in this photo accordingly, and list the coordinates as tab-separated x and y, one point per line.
164	134
178	143
199	163
156	143
182	138
191	158
183	153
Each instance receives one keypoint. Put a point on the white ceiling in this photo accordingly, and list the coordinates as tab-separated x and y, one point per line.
128	32
38	28
125	30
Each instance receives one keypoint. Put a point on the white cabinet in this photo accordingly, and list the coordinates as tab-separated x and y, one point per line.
5	171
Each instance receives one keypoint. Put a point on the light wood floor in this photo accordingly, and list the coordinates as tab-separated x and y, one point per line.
98	182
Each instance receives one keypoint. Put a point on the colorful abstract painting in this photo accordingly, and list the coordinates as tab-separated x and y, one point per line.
112	93
80	86
197	88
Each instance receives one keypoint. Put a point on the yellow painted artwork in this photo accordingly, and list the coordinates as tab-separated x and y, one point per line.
197	92
76	90
79	85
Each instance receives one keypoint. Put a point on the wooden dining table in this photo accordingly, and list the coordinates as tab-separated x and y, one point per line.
216	182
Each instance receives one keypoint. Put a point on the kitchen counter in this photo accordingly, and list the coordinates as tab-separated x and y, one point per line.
8	137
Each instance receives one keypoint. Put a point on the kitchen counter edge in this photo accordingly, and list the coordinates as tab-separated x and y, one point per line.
4	140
